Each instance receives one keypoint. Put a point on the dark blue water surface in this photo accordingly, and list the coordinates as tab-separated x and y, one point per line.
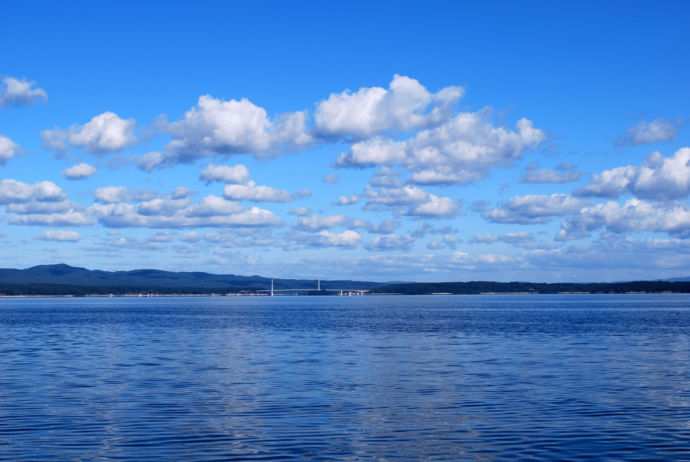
346	378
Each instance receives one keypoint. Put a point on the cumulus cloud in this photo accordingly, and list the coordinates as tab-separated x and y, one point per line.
347	200
317	223
405	106
166	215
149	161
461	150
383	227
633	216
649	132
300	211
391	242
411	200
41	207
447	241
104	133
216	127
212	206
386	177
18	92
59	235
68	218
252	192
119	207
532	208
8	149
658	177
79	171
325	238
17	191
111	194
563	173
237	174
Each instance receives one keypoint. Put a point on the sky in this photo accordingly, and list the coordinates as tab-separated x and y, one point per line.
387	141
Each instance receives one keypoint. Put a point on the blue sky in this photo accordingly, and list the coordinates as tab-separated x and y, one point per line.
435	141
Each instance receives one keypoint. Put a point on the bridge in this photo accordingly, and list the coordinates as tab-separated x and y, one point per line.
342	291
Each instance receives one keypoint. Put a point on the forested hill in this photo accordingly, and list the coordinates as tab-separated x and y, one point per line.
61	277
486	287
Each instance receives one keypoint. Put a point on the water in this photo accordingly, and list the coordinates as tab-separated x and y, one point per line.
346	378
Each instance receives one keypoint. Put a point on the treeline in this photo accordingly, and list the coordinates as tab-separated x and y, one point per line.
84	291
483	287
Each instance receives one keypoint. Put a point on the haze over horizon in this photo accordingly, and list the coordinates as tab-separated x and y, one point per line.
541	141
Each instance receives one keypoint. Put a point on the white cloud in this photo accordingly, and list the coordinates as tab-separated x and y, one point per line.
40	207
531	208
405	106
212	206
181	192
8	149
331	178
217	127
44	204
103	134
375	151
633	216
447	241
20	92
191	236
79	171
162	206
112	194
237	174
149	161
317	223
59	235
122	207
161	236
383	227
391	242
468	261
418	202
251	192
347	238
511	238
300	211
160	216
17	191
435	206
386	177
68	218
347	200
521	239
563	173
658	177
459	151
652	132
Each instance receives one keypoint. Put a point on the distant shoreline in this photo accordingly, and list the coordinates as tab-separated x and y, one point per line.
209	295
68	281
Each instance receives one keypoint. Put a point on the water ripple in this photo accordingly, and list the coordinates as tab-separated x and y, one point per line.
351	378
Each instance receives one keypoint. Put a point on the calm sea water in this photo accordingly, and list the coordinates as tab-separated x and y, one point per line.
346	378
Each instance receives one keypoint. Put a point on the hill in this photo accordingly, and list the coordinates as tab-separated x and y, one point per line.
61	277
